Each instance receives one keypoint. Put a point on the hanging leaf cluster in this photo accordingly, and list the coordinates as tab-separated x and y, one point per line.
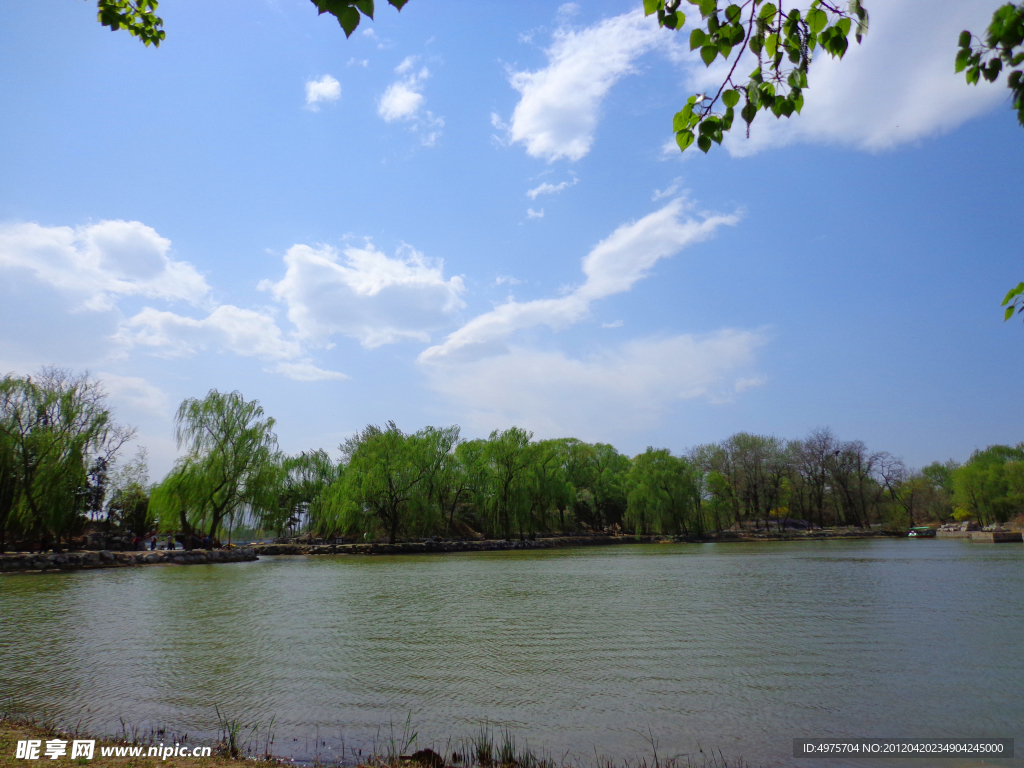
1000	49
783	42
139	17
347	12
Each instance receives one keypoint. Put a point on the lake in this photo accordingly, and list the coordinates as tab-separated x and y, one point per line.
740	647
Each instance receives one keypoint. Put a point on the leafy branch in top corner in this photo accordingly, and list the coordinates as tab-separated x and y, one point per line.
1000	49
140	19
986	58
783	42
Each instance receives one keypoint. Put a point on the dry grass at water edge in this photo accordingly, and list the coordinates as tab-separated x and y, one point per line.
249	742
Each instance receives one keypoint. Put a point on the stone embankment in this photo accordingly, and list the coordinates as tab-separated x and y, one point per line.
70	561
993	534
549	542
431	546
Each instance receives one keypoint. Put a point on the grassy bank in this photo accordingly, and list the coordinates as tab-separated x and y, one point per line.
485	749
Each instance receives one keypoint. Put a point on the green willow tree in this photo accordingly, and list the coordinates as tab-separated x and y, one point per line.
302	480
607	484
230	466
446	480
127	507
663	495
509	455
382	480
53	429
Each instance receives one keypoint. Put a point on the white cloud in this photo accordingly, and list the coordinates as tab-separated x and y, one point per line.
306	371
407	64
557	114
106	262
893	88
551	189
354	62
401	101
745	384
101	262
372	35
135	393
532	214
364	294
244	332
507	280
632	385
324	89
613	266
671	189
568	10
429	129
497	381
613	324
403	98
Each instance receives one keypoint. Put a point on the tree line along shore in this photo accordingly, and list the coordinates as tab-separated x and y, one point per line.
63	477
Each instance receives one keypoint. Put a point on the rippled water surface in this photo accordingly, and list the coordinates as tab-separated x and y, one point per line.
737	646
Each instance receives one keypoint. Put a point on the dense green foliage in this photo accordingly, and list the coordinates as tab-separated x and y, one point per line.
231	466
57	443
59	476
989	488
1000	49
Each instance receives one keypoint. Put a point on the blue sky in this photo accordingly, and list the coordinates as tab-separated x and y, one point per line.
468	214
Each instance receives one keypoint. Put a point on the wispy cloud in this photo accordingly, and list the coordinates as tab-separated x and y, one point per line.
557	113
613	266
632	385
532	214
671	189
548	188
135	392
488	372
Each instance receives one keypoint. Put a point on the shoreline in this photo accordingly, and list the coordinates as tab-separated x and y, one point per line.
29	562
234	749
558	542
